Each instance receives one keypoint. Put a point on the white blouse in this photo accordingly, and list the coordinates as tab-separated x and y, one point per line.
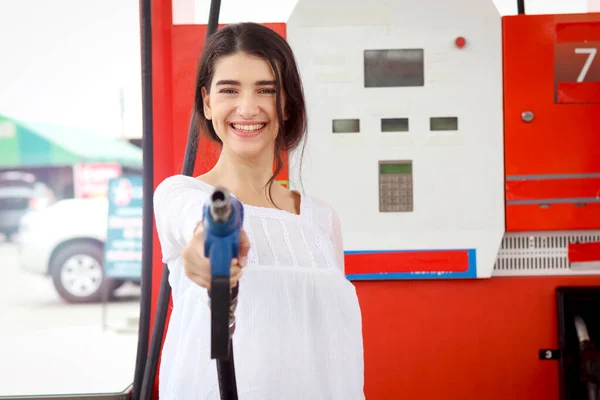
298	332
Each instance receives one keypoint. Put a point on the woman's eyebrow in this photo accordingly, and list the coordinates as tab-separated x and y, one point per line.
237	83
228	82
265	83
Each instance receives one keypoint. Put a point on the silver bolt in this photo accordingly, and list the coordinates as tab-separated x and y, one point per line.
527	116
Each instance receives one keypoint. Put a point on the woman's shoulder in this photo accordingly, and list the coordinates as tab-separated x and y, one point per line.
176	186
182	180
322	212
318	204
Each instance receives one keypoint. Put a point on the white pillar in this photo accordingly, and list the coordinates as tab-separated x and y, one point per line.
593	5
184	12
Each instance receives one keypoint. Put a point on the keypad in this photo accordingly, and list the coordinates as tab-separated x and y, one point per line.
395	192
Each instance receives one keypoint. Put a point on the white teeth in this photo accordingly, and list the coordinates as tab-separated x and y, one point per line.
248	128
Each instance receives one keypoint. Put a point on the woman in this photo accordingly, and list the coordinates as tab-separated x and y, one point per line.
298	323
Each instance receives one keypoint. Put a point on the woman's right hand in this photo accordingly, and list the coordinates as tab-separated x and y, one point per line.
197	265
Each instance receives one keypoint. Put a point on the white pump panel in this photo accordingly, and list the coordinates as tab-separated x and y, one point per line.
405	125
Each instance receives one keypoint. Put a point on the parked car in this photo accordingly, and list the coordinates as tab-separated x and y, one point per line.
19	194
66	242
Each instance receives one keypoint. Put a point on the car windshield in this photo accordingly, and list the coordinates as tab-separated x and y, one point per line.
15	179
17	190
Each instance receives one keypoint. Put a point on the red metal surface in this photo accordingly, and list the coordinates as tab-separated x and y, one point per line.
562	138
525	217
462	339
584	252
553	189
584	92
408	261
162	102
188	42
578	31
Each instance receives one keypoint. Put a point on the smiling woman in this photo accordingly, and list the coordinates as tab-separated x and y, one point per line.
243	110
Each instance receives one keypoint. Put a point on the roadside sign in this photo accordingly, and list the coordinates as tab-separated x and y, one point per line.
123	248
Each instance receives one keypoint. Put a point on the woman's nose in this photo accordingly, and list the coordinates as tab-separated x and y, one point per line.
248	106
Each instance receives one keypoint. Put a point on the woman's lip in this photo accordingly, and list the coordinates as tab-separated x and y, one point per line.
246	134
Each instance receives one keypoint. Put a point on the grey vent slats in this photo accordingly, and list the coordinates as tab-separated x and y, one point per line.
538	253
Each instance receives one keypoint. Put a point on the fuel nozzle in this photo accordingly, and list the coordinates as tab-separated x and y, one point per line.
220	205
589	360
223	217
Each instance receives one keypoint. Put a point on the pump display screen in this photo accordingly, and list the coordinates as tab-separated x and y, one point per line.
393	68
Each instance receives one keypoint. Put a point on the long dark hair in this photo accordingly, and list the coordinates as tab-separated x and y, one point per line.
258	40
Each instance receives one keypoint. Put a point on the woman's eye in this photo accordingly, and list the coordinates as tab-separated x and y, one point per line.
261	91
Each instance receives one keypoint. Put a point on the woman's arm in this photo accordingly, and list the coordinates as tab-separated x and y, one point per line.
177	209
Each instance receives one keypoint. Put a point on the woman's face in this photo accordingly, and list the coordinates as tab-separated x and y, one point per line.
242	105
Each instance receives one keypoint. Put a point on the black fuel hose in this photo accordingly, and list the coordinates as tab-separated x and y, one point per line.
589	360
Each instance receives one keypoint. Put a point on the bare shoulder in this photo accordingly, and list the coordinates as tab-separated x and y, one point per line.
289	200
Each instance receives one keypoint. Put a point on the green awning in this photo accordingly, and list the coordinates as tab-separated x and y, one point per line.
32	144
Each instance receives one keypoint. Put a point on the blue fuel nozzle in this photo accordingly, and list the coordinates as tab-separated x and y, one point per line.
223	218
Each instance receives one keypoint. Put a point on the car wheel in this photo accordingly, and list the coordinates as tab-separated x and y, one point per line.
78	275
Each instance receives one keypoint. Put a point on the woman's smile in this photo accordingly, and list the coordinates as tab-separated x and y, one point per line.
248	129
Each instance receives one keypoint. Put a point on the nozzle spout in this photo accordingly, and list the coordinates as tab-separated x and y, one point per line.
581	329
220	205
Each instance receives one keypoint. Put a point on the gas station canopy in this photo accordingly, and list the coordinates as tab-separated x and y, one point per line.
32	144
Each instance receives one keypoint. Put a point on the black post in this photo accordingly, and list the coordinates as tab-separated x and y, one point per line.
191	148
148	191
